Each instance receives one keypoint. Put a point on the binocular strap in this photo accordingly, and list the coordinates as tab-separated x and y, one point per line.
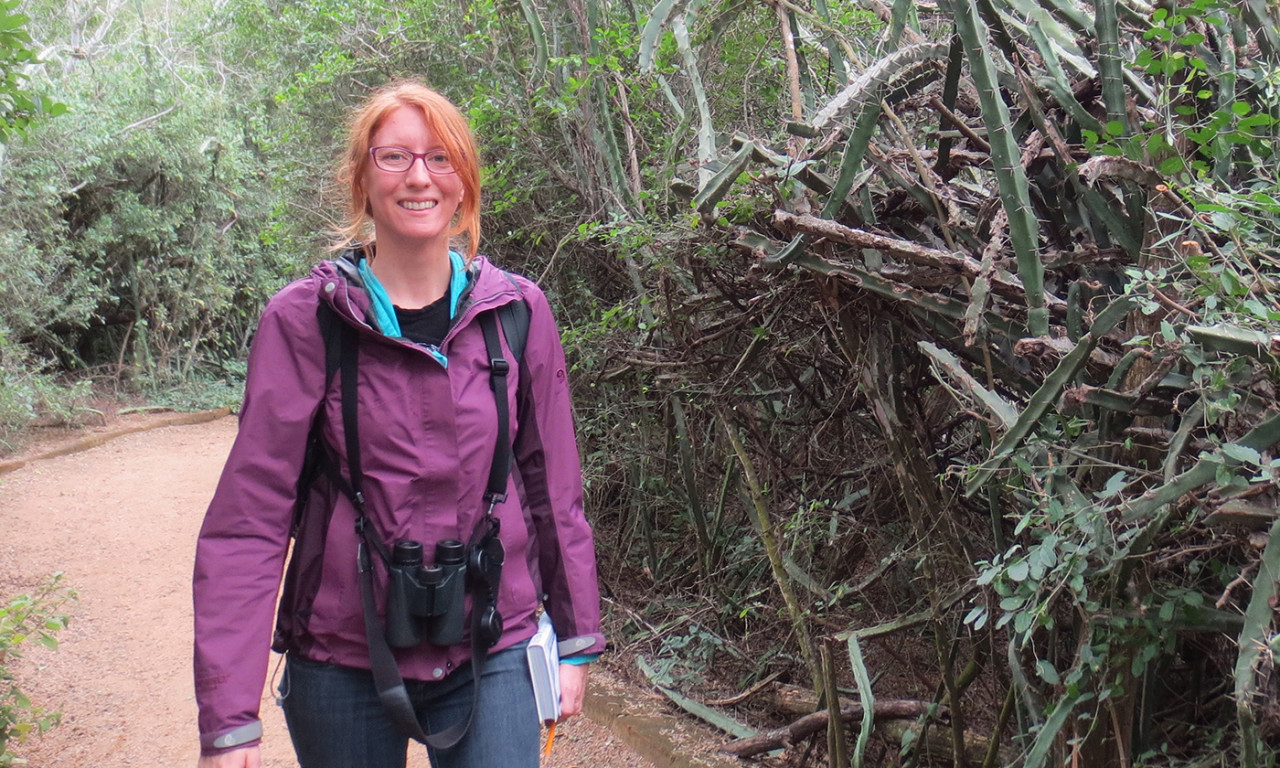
386	674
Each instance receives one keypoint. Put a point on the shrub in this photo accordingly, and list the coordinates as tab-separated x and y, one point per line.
27	617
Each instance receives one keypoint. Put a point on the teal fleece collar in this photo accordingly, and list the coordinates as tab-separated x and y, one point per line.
384	312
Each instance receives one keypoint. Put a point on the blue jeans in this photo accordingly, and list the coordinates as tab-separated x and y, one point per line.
336	720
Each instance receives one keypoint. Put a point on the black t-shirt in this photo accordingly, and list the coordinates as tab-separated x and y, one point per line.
427	325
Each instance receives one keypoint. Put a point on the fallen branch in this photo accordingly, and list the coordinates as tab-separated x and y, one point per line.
741	697
934	748
787	700
145	120
896	709
906	250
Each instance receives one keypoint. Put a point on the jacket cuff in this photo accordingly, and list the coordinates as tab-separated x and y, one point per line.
577	646
241	736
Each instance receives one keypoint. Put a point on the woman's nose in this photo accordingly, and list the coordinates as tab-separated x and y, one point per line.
418	174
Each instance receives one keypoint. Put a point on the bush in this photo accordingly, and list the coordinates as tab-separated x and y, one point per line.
27	617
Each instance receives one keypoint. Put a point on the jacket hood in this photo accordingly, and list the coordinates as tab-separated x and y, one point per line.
338	283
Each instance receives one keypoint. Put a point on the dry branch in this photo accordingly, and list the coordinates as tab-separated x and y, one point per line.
904	249
895	709
978	141
1119	168
1244	514
1007	286
787	700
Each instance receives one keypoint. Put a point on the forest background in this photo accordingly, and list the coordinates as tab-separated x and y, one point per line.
923	353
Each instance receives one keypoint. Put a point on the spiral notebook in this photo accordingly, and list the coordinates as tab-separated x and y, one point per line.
544	670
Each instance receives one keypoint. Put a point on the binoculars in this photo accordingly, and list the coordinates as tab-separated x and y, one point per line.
426	601
430	601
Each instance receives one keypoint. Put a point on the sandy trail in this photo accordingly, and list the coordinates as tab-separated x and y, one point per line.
120	521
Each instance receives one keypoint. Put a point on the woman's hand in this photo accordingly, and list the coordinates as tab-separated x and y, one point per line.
573	688
249	757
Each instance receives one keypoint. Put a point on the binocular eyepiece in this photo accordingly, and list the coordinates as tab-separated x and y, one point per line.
426	600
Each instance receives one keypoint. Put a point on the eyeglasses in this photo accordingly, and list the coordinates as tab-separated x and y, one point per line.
400	160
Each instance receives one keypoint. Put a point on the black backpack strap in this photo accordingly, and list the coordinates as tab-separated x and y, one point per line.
316	459
330	330
496	493
349	346
515	327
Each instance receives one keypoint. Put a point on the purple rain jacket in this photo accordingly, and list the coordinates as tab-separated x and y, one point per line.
426	435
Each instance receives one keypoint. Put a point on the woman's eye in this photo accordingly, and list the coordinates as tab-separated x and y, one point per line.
441	158
394	156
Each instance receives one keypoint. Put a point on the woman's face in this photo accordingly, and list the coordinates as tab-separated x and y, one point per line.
414	208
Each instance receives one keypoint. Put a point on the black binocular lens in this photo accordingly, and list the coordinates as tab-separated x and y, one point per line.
407	553
449	552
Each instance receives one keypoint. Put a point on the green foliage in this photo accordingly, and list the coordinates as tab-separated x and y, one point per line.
37	617
20	104
1115	432
28	392
142	233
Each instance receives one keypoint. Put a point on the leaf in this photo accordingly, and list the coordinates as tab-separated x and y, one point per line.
1242	454
988	575
698	709
865	695
1047	672
8	22
1019	570
1260	120
1115	484
1048	734
1041	559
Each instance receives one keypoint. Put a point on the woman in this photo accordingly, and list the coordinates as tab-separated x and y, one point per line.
427	427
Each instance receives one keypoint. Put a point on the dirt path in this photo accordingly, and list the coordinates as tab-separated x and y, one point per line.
121	521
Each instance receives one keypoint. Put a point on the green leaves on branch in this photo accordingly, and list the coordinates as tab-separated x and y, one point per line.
38	617
20	103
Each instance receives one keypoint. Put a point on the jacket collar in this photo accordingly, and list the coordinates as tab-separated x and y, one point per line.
338	282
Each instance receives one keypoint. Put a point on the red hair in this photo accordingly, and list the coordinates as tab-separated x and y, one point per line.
447	125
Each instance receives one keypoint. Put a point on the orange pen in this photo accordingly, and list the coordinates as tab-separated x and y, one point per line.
551	739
